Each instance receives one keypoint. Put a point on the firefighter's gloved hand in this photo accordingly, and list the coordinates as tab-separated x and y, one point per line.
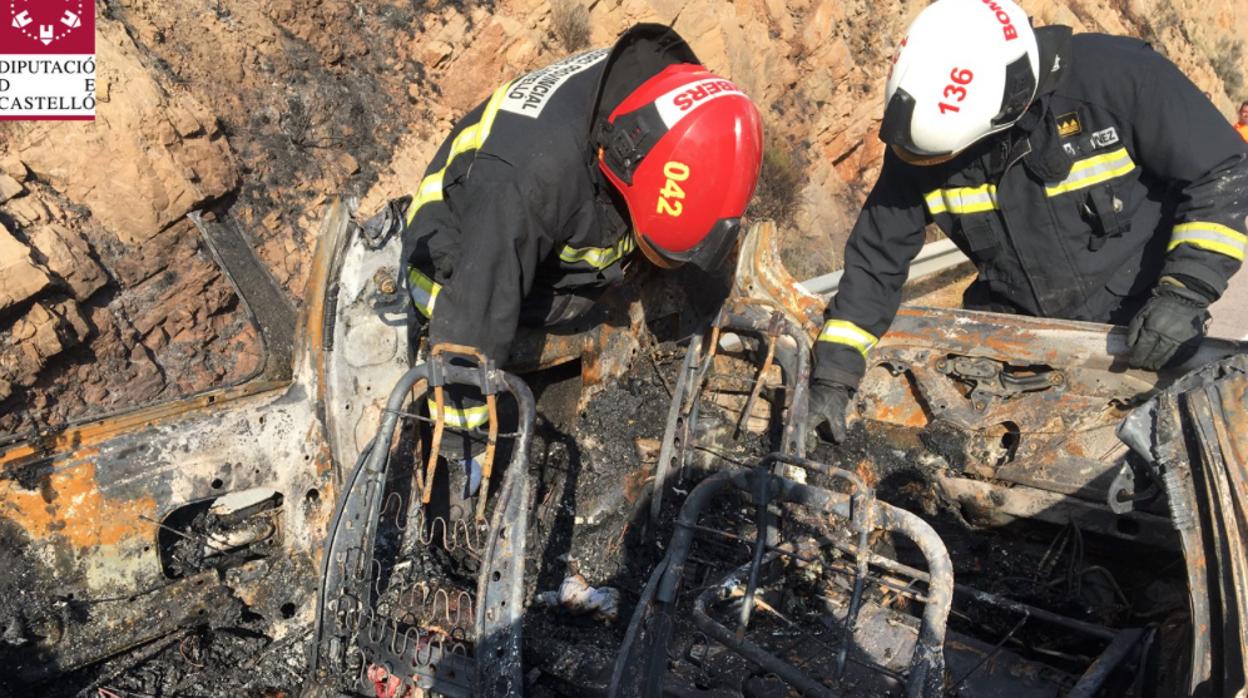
828	402
1169	327
465	410
465	413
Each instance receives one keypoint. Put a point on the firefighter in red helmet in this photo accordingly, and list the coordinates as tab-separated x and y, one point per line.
543	194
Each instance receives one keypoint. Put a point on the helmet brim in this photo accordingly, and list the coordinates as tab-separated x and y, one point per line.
921	160
708	255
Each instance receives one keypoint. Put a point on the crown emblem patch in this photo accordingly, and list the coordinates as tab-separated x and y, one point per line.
1068	125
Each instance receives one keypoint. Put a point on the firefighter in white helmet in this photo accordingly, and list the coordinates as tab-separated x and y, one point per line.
1085	176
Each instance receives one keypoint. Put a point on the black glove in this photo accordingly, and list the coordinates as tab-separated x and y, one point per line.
1169	327
828	401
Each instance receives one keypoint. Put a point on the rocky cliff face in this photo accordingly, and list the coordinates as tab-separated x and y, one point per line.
265	108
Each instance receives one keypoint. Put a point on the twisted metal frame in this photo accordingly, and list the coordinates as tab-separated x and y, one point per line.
642	663
747	316
351	633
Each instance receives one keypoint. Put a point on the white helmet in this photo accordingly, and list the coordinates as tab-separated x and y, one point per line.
966	69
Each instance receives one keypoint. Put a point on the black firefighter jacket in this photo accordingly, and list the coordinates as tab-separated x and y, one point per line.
1120	172
513	221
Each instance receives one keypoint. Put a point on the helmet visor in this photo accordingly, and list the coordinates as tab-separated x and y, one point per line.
707	255
895	129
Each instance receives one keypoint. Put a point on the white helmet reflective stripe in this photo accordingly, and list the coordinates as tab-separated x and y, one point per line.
966	69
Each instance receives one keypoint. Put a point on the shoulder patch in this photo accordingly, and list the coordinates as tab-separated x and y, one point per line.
1068	125
530	94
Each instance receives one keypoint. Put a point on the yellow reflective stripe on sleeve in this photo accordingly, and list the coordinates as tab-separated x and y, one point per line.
424	291
469	418
962	200
471	138
598	257
1213	237
1092	171
849	334
430	190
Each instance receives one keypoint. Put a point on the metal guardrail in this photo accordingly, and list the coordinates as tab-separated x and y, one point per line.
942	255
934	258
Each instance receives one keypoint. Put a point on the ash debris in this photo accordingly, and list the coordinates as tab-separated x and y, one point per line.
589	497
26	614
593	467
232	651
235	661
596	467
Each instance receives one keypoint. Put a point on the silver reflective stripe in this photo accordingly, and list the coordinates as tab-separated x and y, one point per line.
424	291
1213	237
960	201
598	257
468	140
1092	171
469	418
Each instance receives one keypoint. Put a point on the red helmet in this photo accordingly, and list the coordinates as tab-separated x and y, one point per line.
684	149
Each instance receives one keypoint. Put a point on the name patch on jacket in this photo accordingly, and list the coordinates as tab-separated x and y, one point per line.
530	94
1104	138
682	101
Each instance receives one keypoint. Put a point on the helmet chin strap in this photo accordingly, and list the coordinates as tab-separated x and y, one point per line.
651	254
922	160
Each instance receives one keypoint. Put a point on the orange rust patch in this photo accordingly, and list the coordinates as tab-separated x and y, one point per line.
310	330
906	415
866	472
893	400
322	460
635	484
72	506
1232	399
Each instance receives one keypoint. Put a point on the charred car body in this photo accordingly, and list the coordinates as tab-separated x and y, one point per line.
1016	513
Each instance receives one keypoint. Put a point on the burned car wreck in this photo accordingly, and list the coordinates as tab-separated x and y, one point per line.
1016	512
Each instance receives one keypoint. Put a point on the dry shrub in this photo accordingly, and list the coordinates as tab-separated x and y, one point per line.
570	21
1227	59
779	183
